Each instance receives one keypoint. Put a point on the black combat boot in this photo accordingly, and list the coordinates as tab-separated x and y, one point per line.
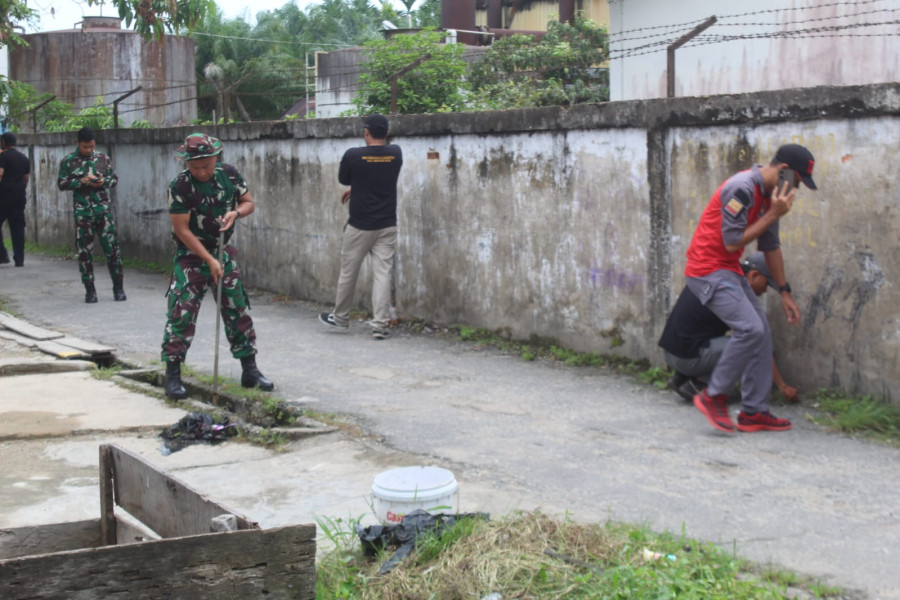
90	293
118	291
174	388
251	377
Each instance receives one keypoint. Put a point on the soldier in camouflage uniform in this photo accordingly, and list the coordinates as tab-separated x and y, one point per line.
88	174
206	198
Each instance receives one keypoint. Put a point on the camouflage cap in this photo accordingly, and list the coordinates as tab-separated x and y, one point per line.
199	145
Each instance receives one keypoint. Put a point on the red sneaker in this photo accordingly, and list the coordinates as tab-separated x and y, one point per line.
762	421
715	409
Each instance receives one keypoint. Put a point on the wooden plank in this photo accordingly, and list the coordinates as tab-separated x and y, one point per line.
162	502
47	539
27	329
12	336
131	531
91	348
107	502
277	564
58	350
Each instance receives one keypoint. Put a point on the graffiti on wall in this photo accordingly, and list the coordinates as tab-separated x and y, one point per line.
841	295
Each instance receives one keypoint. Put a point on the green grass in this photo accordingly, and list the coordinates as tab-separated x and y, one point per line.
106	373
863	415
546	348
70	254
530	555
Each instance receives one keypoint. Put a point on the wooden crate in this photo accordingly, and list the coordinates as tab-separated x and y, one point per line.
153	541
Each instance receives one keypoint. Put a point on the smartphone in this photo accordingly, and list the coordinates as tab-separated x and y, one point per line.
787	176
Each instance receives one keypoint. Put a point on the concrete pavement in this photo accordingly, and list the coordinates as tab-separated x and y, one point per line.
516	434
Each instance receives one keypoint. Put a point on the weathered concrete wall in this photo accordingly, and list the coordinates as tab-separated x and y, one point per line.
570	224
769	45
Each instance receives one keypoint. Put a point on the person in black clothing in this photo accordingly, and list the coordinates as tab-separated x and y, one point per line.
694	337
14	172
371	172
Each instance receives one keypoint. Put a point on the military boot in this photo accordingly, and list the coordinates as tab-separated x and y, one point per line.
118	291
174	387
251	377
90	293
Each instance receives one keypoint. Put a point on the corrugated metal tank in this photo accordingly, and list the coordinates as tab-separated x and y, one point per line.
101	59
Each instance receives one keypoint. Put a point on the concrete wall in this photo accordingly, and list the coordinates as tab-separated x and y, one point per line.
570	224
766	45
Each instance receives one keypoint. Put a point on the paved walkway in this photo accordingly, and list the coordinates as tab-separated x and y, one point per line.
516	434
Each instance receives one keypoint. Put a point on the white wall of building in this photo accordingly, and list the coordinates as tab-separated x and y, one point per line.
763	45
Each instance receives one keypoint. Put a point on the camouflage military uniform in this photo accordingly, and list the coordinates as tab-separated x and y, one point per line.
94	215
206	202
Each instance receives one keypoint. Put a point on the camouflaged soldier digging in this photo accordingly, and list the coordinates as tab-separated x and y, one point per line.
206	198
88	174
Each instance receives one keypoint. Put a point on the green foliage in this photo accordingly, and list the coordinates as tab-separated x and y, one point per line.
155	18
14	13
98	116
433	85
860	414
21	98
533	556
565	67
106	373
655	376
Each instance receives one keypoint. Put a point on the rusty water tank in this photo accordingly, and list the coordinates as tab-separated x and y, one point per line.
459	15
102	59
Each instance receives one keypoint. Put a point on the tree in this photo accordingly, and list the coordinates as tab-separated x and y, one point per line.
565	67
155	18
433	85
12	14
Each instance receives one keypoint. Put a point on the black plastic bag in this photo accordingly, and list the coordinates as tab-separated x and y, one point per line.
196	427
407	533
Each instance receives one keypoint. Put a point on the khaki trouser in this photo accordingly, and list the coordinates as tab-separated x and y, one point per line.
356	244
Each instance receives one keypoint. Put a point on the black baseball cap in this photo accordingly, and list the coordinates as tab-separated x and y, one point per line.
757	262
800	160
377	124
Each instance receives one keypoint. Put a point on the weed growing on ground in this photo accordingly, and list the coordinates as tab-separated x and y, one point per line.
530	555
655	376
106	373
859	414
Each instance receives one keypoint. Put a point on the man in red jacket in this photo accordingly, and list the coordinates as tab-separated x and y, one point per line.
745	208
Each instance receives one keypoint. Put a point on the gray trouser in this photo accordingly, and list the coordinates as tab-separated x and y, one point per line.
702	366
356	244
748	353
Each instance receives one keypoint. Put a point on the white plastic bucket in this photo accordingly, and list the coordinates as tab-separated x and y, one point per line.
398	492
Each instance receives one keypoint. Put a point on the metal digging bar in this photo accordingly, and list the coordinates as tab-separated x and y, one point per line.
215	395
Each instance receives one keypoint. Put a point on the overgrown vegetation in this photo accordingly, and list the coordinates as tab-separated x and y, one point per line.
19	100
530	555
859	415
549	349
431	79
564	67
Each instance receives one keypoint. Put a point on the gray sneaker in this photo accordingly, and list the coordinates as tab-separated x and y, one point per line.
328	319
380	333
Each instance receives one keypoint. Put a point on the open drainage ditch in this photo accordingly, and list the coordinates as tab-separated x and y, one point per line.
254	415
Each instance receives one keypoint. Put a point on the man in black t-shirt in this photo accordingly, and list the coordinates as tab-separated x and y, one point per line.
371	172
694	337
14	172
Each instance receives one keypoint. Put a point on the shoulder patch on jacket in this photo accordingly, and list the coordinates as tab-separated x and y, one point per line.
738	202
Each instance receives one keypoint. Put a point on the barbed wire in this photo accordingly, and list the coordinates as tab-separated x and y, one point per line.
688	24
661	41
